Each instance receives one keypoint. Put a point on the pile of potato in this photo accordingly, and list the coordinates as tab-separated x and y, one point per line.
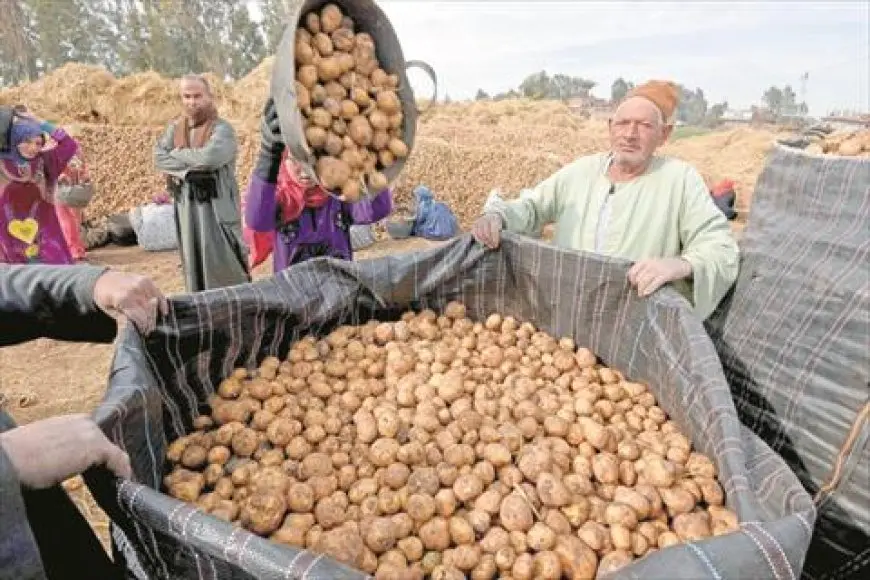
350	105
848	144
441	447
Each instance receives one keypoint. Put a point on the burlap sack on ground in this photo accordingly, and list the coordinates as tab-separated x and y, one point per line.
159	385
794	340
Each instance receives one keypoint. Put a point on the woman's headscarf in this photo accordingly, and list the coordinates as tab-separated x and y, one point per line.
21	132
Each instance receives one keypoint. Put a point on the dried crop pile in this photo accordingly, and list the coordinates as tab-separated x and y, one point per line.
440	446
846	143
85	93
121	164
353	116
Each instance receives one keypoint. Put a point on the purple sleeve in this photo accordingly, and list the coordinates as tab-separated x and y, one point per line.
260	205
57	158
369	211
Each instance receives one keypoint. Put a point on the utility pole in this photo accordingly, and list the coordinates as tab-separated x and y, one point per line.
804	78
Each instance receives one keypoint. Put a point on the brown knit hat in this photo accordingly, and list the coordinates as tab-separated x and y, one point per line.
663	94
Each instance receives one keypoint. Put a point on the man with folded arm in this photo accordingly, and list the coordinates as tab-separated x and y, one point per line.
198	155
630	203
42	533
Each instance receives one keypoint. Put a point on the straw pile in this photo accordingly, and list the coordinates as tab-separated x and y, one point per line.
463	150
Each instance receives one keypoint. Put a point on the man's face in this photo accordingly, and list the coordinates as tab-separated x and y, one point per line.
636	131
194	97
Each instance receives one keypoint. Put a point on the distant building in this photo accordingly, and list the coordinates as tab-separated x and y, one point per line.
737	116
848	122
590	106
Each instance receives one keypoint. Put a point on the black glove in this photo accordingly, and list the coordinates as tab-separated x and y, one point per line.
6	115
203	185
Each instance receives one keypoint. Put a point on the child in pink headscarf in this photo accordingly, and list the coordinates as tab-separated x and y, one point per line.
29	228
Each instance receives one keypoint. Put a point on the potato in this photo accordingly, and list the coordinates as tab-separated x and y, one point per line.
330	18
515	514
398	148
307	75
380	535
692	527
388	102
245	442
333	173
435	534
466	557
316	136
711	491
344	544
467	487
263	512
329	513
552	491
523	568
303	53
723	520
605	467
678	500
540	537
659	472
460	530
225	509
577	560
185	485
594	535
360	130
634	499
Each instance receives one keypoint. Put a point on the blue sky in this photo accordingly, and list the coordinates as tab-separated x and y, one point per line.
733	51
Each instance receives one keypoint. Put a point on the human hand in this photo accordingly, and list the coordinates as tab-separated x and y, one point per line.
132	296
47	452
651	274
487	230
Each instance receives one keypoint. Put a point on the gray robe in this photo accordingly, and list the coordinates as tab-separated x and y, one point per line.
42	533
213	253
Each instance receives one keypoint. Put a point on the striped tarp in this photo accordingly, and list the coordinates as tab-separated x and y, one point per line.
794	340
157	387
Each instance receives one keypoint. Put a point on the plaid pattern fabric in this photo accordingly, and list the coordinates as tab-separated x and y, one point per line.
158	386
794	339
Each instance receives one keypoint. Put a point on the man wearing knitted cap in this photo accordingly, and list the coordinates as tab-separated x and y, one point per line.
633	204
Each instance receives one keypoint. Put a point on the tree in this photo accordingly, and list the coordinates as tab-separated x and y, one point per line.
692	109
18	42
275	16
247	47
619	89
541	86
773	98
481	95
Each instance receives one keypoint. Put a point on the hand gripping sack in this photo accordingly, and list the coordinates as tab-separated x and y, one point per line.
160	383
794	340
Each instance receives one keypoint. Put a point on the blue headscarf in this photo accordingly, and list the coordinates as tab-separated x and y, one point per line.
21	131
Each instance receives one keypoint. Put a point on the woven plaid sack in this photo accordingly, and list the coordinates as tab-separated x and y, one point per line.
794	340
158	385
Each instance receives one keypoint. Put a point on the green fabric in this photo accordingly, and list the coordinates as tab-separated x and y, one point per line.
667	212
213	254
